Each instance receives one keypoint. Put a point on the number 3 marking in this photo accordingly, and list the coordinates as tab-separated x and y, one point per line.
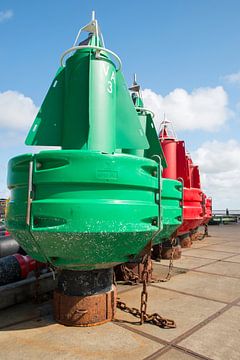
109	86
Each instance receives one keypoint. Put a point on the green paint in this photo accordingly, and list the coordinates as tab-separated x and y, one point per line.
172	190
88	211
94	202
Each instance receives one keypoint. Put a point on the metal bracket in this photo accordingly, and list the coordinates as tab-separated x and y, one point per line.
182	205
159	190
91	27
30	190
141	109
91	47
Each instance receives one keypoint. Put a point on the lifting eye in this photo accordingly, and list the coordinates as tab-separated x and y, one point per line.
154	222
45	164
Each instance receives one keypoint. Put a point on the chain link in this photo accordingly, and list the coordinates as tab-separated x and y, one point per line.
144	293
154	319
170	266
142	314
129	276
199	236
204	234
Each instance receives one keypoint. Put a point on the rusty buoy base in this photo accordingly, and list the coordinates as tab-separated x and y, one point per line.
197	235
168	252
185	241
89	300
165	251
84	311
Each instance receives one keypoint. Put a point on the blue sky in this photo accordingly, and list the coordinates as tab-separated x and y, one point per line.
188	45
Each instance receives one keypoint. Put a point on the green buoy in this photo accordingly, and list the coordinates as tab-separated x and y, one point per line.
95	202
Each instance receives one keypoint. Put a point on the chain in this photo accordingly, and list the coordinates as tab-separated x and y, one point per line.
200	235
205	233
144	293
170	266
154	319
130	278
142	314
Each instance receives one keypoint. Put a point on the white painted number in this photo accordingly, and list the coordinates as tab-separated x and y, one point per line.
109	87
112	78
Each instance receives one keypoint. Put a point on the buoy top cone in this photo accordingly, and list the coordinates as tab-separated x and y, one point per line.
88	105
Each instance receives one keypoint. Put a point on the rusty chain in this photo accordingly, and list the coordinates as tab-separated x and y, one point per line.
170	266
144	293
142	314
154	319
204	234
201	236
130	278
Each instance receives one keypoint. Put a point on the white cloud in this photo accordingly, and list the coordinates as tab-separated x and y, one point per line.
219	164
203	109
11	139
4	193
5	15
17	111
233	78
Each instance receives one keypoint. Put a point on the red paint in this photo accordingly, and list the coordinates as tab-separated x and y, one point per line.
192	210
180	167
27	264
208	209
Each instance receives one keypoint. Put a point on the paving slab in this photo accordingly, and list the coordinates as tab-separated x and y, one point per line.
235	241
218	239
208	254
226	238
206	242
214	287
219	339
124	287
47	340
222	268
23	312
175	355
197	245
29	331
225	231
188	262
228	246
185	310
233	259
160	270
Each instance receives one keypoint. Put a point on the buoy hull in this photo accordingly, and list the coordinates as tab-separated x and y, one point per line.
88	210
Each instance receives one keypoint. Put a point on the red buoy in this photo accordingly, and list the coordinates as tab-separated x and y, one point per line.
196	209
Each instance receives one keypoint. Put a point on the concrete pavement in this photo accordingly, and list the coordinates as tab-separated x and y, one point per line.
203	297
